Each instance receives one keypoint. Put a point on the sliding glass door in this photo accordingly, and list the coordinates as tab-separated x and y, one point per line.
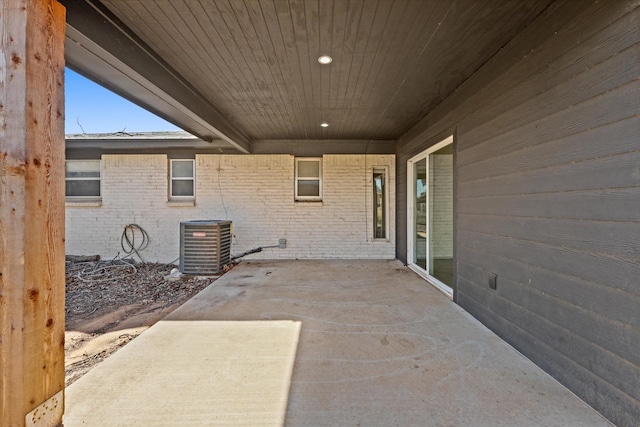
430	211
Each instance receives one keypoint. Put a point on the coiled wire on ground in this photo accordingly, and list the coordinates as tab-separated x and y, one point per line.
134	239
102	271
128	240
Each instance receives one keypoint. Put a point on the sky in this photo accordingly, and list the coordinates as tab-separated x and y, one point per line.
99	110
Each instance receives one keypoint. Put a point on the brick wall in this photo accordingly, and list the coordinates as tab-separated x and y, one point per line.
254	191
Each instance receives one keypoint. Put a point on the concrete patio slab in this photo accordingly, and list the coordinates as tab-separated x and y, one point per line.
181	373
378	346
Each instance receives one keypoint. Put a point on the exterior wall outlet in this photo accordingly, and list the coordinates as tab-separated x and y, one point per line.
493	281
282	243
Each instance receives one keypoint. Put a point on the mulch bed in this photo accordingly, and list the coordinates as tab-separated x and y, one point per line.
95	288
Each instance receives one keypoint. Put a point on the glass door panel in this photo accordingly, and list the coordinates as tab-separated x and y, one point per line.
440	204
420	214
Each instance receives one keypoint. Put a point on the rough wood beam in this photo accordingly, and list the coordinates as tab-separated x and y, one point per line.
31	211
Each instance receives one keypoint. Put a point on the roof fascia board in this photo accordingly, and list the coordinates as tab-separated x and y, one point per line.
106	143
100	47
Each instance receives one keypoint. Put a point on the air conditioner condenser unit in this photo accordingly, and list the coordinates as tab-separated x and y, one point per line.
205	246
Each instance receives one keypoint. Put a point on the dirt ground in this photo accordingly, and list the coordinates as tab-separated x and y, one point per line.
109	303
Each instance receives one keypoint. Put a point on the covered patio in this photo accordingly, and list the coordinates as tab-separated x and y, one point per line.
322	343
528	109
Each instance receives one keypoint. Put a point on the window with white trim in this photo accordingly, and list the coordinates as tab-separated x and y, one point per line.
308	179
379	179
182	181
82	179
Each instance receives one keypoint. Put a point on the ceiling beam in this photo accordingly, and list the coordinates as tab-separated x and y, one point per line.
99	46
319	147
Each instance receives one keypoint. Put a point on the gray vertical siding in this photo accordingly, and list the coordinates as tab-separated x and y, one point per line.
547	196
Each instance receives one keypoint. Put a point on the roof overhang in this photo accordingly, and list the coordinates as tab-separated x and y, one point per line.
247	73
142	141
132	70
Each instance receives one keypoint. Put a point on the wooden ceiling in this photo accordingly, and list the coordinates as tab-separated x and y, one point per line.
256	61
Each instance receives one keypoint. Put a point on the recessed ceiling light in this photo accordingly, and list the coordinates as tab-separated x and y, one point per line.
324	124
325	59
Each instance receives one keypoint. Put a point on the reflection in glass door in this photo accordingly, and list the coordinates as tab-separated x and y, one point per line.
441	215
420	214
431	211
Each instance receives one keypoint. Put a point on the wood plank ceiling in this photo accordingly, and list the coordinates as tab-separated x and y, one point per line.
256	61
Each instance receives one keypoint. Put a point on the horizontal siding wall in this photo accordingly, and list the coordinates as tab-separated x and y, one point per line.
547	196
255	192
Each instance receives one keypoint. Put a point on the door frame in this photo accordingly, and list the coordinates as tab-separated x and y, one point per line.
448	291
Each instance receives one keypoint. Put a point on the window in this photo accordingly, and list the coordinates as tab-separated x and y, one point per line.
82	179
379	203
183	177
308	179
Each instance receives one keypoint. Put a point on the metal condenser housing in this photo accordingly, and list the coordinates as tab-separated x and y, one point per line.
205	246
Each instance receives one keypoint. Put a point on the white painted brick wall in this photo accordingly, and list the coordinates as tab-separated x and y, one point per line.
254	191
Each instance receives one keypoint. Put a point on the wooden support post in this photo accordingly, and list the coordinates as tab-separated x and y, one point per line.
31	212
